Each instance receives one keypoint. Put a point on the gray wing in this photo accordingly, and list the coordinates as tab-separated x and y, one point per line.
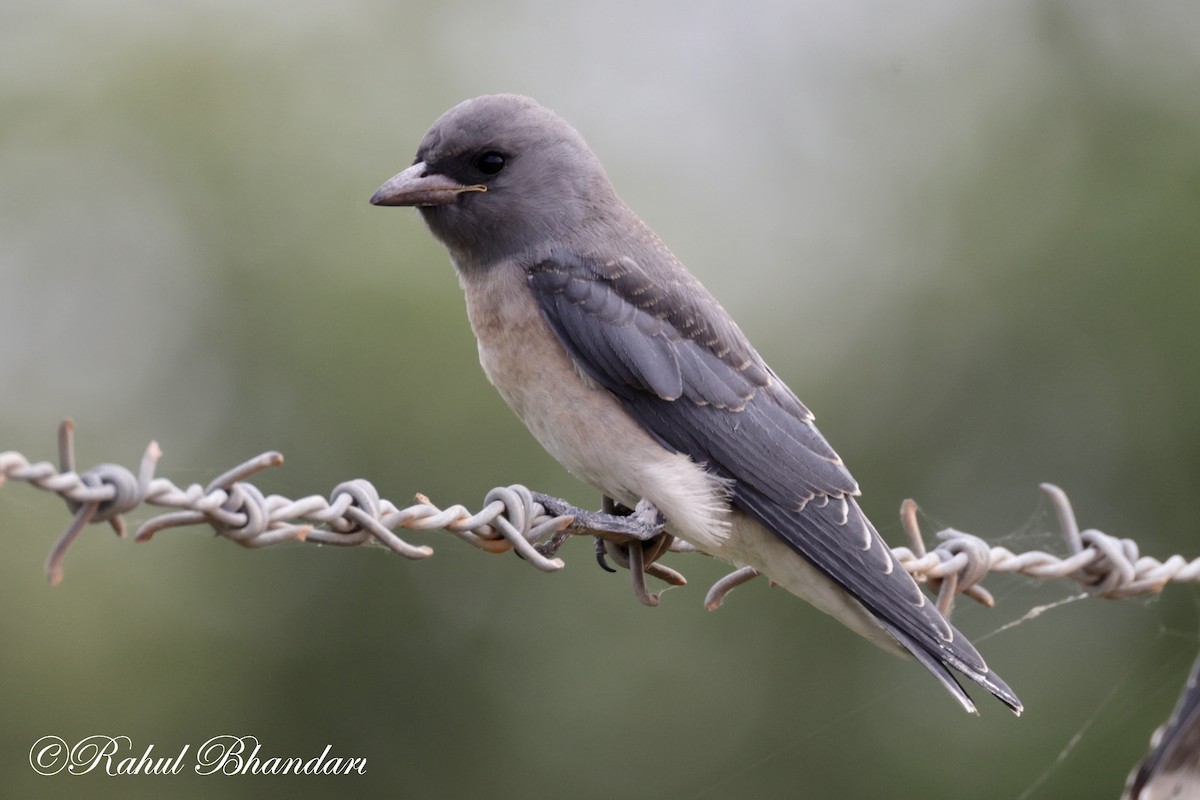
681	367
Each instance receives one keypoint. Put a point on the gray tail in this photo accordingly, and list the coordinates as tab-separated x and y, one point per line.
937	663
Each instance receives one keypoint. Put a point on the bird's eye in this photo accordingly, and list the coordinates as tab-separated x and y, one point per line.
490	163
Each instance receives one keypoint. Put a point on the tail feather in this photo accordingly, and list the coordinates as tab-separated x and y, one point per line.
837	538
938	663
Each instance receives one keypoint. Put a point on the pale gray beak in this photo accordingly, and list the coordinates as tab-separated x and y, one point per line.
416	186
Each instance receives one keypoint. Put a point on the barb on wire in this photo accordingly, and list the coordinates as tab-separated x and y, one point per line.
535	526
354	514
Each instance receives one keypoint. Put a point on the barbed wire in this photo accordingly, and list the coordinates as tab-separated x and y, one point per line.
535	526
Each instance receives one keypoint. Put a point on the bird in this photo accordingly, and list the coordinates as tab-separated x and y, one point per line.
631	374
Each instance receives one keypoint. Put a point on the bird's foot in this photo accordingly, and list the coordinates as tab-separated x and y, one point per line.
615	522
633	538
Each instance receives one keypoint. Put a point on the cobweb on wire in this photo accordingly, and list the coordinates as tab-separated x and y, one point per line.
1026	598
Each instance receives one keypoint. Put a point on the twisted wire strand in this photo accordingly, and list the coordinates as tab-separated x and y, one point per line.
512	519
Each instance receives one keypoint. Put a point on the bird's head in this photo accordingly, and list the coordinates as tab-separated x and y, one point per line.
500	175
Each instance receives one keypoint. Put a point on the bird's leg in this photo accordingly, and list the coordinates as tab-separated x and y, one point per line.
633	538
614	521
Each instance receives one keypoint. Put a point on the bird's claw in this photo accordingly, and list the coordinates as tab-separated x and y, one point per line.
601	552
632	538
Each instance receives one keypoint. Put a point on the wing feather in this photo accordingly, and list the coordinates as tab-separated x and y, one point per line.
681	367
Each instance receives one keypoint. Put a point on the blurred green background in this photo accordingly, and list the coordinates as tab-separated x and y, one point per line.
965	234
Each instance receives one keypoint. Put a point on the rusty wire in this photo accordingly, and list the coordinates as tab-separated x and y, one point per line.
514	518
